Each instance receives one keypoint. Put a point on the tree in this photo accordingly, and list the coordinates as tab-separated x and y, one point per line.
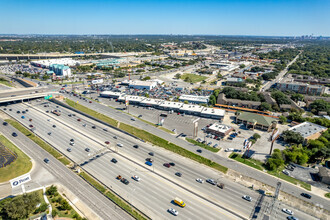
265	106
177	76
51	190
282	119
320	106
275	161
280	98
146	78
242	66
185	102
256	136
65	205
297	97
212	100
292	137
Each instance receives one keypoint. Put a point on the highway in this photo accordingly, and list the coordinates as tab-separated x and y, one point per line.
159	184
248	171
82	190
279	77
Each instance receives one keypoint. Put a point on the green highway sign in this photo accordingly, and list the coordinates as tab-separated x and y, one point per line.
48	97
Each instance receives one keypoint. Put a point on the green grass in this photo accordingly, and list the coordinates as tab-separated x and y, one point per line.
37	140
194	78
112	196
327	195
90	179
205	146
17	168
91	112
5	82
278	173
64	160
144	135
250	162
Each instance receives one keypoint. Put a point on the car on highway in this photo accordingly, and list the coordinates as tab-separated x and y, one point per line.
148	163
69	149
30	119
136	178
46	160
93	126
113	160
149	159
291	218
139	116
199	150
90	101
125	181
211	181
47	111
14	134
105	129
173	211
167	165
151	153
31	126
5	123
84	125
107	142
72	140
87	149
10	109
172	164
306	195
132	119
178	174
49	133
71	143
78	119
70	115
247	198
287	211
136	146
18	112
200	180
120	145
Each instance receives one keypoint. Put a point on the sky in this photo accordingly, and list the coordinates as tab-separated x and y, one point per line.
206	17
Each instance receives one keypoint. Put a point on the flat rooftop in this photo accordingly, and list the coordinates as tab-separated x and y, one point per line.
213	111
192	108
307	129
220	128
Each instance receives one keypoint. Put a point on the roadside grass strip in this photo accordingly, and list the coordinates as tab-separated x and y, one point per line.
38	141
21	165
327	195
205	146
261	166
121	203
146	136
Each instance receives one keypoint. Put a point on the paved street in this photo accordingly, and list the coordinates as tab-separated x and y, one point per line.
82	190
248	171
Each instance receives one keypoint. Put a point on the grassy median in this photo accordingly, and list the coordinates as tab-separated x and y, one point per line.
261	166
38	141
146	136
91	112
121	203
205	146
20	166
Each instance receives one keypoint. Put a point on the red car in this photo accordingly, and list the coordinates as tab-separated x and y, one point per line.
31	126
107	142
90	101
78	119
167	165
30	119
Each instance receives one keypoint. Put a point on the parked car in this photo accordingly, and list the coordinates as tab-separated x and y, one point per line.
286	172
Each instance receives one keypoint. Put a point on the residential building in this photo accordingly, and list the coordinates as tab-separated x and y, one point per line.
302	88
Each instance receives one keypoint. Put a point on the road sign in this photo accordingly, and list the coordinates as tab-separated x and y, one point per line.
20	180
48	97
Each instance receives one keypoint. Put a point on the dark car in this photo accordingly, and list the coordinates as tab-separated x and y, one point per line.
47	111
178	174
14	134
199	151
113	160
18	112
26	110
151	153
87	149
10	109
211	181
78	119
46	160
54	126
5	123
23	112
167	165
149	159
306	195
136	146
107	142
72	140
125	181
172	164
93	126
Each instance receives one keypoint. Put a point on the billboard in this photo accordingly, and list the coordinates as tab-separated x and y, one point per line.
20	180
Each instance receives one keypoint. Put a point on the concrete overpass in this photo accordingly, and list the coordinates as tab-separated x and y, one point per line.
23	97
23	91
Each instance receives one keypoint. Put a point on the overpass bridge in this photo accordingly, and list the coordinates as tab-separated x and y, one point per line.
24	97
23	91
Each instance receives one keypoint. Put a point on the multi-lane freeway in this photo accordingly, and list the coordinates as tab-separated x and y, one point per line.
158	186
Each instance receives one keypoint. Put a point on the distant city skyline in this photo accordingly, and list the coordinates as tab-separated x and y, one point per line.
181	17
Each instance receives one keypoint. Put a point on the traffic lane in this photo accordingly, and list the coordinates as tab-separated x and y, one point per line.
127	148
75	184
60	133
31	111
157	190
248	171
296	213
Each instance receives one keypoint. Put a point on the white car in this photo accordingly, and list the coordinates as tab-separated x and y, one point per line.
286	172
173	211
247	198
229	149
200	180
71	143
136	178
287	211
120	145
